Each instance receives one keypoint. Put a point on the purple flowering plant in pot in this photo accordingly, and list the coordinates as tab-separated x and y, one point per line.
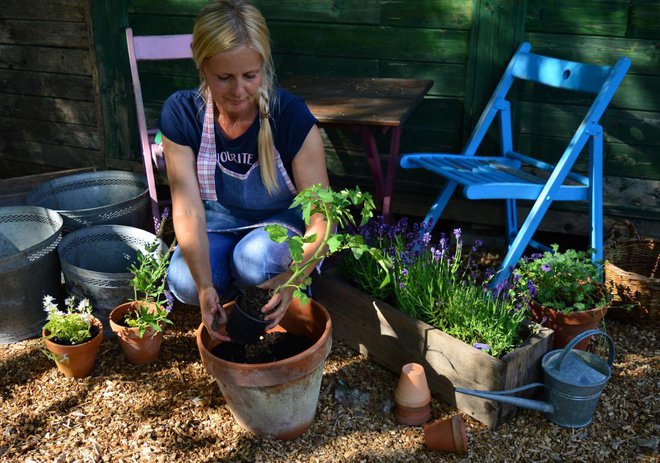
438	283
568	293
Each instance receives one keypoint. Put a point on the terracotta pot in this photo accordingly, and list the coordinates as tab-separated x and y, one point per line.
277	399
137	350
412	395
567	326
76	361
447	435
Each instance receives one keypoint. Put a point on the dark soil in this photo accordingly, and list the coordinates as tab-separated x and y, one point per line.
270	348
252	301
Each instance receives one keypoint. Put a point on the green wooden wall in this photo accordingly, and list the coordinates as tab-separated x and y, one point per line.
48	96
463	46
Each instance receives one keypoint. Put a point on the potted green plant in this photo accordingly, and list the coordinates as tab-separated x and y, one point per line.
278	399
568	294
72	337
139	323
247	323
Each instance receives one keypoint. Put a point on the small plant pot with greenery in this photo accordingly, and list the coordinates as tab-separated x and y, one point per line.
568	295
277	397
72	337
139	323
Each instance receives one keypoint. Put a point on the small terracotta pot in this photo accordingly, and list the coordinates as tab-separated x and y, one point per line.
447	435
413	416
412	396
137	350
412	390
567	326
76	361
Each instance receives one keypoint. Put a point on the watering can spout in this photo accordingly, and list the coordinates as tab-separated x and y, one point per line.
504	397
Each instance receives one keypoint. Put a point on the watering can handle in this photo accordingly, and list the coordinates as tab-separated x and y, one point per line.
508	391
580	337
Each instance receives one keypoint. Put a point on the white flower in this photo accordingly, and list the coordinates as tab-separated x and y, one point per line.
48	300
70	301
83	306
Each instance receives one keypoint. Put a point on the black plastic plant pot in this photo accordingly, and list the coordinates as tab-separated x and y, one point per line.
244	328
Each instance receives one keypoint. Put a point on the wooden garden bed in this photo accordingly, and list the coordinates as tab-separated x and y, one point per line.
392	338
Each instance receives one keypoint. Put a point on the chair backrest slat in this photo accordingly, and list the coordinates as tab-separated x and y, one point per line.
560	73
162	47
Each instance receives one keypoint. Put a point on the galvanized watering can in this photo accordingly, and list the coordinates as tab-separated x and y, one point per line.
574	380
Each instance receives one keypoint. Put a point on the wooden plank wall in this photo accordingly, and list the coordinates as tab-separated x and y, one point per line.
462	45
49	117
600	31
67	101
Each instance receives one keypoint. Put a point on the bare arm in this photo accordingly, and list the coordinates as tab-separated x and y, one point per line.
190	228
309	168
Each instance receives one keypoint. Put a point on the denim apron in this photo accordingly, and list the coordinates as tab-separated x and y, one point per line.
240	202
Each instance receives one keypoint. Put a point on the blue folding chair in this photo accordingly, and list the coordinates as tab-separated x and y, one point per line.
511	176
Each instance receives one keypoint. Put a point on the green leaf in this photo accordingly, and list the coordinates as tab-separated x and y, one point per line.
302	297
335	242
276	233
296	248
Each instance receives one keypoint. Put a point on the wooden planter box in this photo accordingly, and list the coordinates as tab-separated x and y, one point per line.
392	339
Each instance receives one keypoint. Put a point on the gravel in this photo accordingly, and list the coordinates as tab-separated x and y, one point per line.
172	410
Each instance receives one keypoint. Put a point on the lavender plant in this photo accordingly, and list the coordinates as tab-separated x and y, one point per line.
438	284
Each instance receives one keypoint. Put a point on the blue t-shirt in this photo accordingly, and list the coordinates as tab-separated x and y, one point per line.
182	118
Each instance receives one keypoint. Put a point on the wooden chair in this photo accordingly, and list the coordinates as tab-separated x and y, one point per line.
514	176
153	47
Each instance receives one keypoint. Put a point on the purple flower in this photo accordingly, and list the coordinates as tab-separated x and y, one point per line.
404	272
481	346
531	288
457	233
169	300
545	267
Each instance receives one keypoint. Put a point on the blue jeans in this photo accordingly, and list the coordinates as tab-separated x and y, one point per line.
238	260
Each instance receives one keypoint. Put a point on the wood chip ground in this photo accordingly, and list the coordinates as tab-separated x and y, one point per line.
172	411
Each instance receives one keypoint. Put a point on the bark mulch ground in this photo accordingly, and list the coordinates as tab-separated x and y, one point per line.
172	410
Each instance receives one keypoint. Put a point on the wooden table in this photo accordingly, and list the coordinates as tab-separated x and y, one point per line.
367	105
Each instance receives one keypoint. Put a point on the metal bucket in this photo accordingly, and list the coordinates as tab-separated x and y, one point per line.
95	262
96	198
29	269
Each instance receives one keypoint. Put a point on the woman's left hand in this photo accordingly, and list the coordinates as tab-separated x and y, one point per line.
277	306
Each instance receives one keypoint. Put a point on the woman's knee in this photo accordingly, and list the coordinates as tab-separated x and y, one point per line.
256	258
180	280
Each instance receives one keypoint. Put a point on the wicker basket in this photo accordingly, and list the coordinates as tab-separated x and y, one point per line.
631	270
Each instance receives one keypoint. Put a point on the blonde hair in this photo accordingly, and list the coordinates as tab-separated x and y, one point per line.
224	25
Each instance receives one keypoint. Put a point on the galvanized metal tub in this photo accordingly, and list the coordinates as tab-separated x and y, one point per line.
95	262
29	269
96	198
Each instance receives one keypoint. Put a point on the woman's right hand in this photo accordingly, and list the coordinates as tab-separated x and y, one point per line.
211	309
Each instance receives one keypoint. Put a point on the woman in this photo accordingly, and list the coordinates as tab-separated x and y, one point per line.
237	151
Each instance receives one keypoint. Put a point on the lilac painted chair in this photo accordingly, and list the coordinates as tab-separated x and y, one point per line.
514	176
154	48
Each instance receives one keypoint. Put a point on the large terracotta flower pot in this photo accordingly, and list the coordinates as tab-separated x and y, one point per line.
77	360
137	350
567	326
277	399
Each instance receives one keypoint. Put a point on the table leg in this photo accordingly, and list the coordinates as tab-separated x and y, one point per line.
383	186
373	159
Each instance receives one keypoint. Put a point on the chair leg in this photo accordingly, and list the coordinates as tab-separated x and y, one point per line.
596	193
439	205
511	221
